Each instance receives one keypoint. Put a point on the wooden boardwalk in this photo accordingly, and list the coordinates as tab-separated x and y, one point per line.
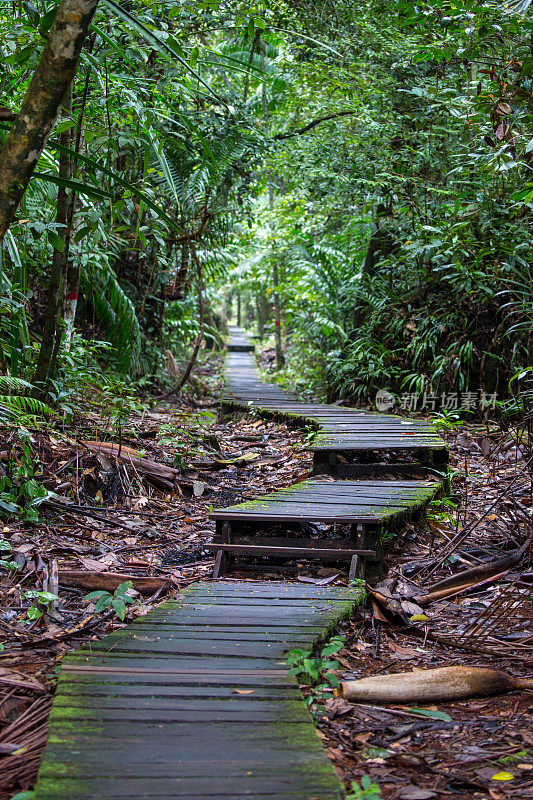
340	430
194	700
363	506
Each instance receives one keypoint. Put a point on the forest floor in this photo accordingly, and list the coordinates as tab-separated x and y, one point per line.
134	491
475	748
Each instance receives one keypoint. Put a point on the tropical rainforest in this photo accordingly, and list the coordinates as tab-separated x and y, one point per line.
350	182
355	179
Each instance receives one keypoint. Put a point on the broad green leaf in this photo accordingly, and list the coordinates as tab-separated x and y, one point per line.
426	712
120	607
65	126
56	241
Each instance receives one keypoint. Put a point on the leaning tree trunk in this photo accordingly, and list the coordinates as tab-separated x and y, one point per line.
31	128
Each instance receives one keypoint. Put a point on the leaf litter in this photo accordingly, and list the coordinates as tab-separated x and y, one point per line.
468	565
131	507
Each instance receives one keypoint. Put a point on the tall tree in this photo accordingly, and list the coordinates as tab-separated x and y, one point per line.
32	126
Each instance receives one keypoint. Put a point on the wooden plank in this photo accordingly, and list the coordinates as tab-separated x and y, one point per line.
351	446
170	722
306	511
93	688
227	788
322	554
356	493
327	502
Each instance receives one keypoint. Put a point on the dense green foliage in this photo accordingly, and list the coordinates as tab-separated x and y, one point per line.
395	232
404	230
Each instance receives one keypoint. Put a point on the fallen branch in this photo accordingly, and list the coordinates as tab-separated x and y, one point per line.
109	581
145	466
92	513
427	686
482	571
454	543
452	591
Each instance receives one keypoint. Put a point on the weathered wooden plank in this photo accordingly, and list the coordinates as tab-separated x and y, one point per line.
173	725
321	554
287	511
274	590
325	499
233	788
206	647
156	713
91	686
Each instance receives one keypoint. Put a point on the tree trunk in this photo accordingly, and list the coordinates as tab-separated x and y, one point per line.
262	311
280	358
51	336
72	287
29	132
73	270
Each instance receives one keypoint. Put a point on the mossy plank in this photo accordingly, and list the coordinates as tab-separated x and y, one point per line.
177	725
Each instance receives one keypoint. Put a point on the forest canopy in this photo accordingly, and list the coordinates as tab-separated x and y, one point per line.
355	177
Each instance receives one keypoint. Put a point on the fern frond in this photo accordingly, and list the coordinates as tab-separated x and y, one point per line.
115	311
13	405
7	382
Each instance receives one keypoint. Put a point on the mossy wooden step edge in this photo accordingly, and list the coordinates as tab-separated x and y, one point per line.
293	503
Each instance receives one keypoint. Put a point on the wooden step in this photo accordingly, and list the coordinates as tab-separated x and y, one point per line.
155	711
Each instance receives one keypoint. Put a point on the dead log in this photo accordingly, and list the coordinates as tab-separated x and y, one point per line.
108	581
482	571
427	686
145	466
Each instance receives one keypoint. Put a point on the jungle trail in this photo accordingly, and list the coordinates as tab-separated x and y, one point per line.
288	557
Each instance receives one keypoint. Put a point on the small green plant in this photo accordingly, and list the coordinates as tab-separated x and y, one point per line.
366	791
316	668
42	599
120	403
5	555
20	492
441	510
78	374
447	420
118	600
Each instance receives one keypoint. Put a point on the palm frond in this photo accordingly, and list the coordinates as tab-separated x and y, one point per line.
115	312
515	6
167	48
11	384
